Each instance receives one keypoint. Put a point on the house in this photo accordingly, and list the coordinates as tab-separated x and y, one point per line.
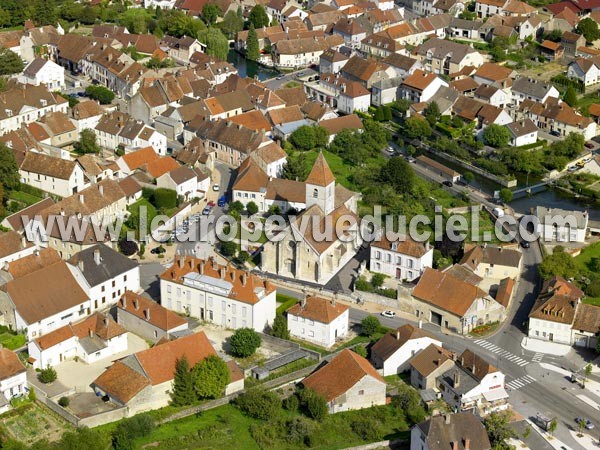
347	382
402	64
144	380
380	45
54	175
303	52
95	169
332	61
44	300
473	385
13	246
443	171
337	124
447	57
217	293
421	86
586	70
43	71
517	8
119	129
386	91
571	42
138	159
450	302
339	92
13	378
147	318
492	95
187	182
496	75
20	219
461	431
351	31
403	259
428	364
488	8
552	51
86	114
92	339
318	320
558	315
366	71
560	225
531	89
391	353
492	262
469	29
522	132
181	49
106	274
59	127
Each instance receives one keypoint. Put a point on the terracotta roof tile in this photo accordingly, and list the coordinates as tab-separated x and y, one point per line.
318	309
10	364
138	158
430	359
334	126
392	341
48	165
321	174
150	311
121	382
406	247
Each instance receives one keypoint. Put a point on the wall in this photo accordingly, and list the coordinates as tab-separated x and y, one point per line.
368	392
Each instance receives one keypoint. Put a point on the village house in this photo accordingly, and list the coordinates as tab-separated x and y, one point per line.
447	57
340	93
492	95
552	51
492	74
139	383
187	182
560	225
86	114
119	129
586	70
217	293
42	71
181	49
57	176
403	259
366	71
93	339
558	315
303	52
348	382
522	132
456	431
332	61
426	365
441	170
351	31
488	8
421	86
391	353
147	318
59	128
450	302
571	42
531	89
491	262
403	65
318	320
13	246
13	378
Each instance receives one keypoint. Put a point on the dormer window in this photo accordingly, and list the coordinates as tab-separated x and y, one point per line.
8	112
43	102
315	193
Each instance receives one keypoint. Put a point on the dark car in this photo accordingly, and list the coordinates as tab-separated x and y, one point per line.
222	201
525	244
589	145
447	183
158	250
555	133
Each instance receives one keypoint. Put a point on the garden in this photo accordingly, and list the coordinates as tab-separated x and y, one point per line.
32	420
10	339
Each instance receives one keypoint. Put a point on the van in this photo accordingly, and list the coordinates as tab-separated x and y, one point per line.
222	201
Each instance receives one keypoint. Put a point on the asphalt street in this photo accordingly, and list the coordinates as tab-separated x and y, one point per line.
283	79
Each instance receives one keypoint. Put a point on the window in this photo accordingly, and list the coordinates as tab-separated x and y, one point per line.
155	333
124	278
244	309
103	288
315	193
168	288
311	333
178	292
113	283
361	392
233	308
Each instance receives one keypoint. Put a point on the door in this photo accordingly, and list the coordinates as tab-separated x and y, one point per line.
398	273
551	337
436	318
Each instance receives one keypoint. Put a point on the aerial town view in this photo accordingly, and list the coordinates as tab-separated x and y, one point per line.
289	224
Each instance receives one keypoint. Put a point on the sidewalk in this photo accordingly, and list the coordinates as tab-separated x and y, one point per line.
549	348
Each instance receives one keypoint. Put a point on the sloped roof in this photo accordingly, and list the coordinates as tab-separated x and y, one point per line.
489	254
111	264
318	309
48	165
320	174
443	431
392	341
430	359
150	311
10	364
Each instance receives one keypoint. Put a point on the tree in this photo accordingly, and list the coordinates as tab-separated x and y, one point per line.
558	263
64	401
103	95
588	370
252	208
387	112
398	172
499	430
31	396
44	12
10	62
553	425
295	167
506	195
228	249
469	177
236	207
303	138
259	404
127	247
215	41
432	113
570	97
87	143
555	35
210	13
416	127
130	429
496	136
9	170
244	342
379	115
211	376
47	375
177	23
321	136
589	28
183	384
279	328
258	17
369	326
377	280
232	24
252	50
314	405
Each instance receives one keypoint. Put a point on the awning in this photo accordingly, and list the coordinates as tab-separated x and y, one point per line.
495	394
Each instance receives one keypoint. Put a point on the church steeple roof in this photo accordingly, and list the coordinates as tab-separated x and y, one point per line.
321	174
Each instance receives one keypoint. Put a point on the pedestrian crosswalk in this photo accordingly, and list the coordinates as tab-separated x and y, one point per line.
518	383
504	354
537	357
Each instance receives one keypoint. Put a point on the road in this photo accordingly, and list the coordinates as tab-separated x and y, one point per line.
281	80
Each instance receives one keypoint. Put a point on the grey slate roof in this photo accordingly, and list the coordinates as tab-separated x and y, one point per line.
534	88
442	431
112	264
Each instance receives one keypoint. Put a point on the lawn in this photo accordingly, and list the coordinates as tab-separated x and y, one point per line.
285	302
151	212
341	169
24	197
584	260
31	422
12	341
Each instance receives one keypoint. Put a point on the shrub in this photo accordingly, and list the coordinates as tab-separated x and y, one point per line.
280	328
315	405
211	377
228	249
259	404
130	429
47	375
64	402
100	93
244	342
291	403
31	396
377	280
367	428
360	350
369	326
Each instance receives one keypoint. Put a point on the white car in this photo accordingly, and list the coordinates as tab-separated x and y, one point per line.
388	314
390	149
216	187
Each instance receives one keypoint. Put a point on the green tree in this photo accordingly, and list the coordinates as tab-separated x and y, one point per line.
258	17
379	115
5	18
215	41
432	113
369	326
232	24
183	384
555	35
9	170
252	208
558	263
387	112
47	375
496	135
32	396
228	249
103	95
321	136
570	97
360	350
314	404
416	127
211	376
498	429
553	425
303	138
177	23
280	328
377	280
10	62
210	13
43	12
252	50
468	177
589	28
409	401
588	370
398	172
506	195
244	342
82	438
295	167
259	404
236	207
87	142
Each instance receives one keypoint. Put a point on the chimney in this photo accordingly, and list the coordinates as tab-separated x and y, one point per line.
397	335
136	305
201	268
456	379
473	368
90	332
244	275
62	212
23	241
124	301
223	273
303	303
181	261
101	189
232	274
81	199
97	256
455	445
147	313
467	443
5	266
191	264
438	362
105	321
448	419
215	266
80	264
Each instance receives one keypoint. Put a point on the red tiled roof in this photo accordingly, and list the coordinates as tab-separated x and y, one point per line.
318	309
150	311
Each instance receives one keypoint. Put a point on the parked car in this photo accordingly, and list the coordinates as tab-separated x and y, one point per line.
555	133
280	77
158	250
216	187
388	314
410	159
589	145
390	149
206	211
447	183
211	204
588	423
222	201
525	244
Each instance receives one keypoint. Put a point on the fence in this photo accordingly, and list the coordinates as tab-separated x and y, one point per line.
59	410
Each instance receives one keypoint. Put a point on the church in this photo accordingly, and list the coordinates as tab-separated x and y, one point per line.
302	253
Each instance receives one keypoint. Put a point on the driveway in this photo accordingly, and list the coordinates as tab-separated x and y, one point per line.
80	375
